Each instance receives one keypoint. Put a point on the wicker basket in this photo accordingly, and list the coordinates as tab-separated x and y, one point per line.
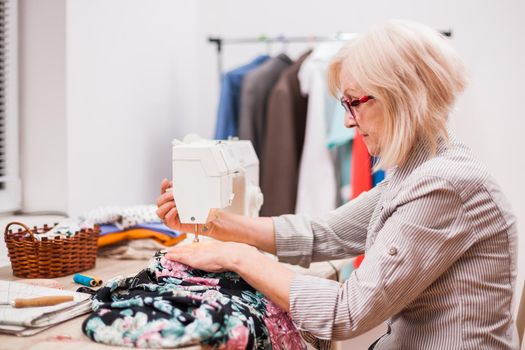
49	258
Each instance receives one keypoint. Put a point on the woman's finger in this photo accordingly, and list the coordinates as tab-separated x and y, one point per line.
164	209
164	198
172	216
180	249
165	184
180	254
183	259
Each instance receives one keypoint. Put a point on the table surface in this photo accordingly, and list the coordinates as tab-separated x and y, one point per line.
68	335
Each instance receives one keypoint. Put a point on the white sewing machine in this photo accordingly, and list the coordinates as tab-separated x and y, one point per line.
211	174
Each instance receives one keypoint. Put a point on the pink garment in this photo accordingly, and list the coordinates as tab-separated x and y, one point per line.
283	333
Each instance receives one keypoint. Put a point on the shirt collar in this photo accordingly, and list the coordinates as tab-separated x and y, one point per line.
420	153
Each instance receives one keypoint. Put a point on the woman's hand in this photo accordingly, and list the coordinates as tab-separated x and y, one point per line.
211	256
263	273
168	213
221	225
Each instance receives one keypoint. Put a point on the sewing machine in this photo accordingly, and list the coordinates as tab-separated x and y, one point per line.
211	174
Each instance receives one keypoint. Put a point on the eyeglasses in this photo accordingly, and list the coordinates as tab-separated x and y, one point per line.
349	105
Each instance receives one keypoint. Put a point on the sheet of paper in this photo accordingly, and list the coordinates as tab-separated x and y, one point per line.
38	316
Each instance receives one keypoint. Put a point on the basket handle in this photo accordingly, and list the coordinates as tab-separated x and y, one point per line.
19	224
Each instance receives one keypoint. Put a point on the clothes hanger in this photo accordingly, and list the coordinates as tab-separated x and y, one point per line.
264	38
284	44
311	41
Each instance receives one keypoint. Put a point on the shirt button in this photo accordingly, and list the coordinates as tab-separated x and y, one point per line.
392	251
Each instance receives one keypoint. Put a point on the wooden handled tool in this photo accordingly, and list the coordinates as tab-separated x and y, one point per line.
39	301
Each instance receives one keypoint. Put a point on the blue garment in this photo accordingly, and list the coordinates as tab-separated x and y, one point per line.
106	229
228	112
378	176
341	137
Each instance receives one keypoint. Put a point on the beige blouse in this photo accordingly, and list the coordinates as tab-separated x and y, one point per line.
440	241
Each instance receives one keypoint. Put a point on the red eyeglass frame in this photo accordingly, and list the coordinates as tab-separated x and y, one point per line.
350	104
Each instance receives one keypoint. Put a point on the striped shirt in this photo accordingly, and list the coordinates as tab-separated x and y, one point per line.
440	241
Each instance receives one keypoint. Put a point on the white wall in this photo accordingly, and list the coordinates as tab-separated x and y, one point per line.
105	87
130	86
42	97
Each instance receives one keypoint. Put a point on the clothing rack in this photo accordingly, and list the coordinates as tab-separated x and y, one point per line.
219	42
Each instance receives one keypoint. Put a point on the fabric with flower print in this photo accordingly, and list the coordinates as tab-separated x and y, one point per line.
170	304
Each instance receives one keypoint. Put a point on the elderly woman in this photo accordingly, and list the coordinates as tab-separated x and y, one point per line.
438	235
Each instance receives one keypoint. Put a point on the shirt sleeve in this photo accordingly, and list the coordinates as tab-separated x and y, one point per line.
226	110
341	233
426	233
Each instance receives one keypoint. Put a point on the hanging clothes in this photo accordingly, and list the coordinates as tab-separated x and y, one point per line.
317	189
341	139
255	89
378	176
283	144
361	167
361	170
228	111
171	305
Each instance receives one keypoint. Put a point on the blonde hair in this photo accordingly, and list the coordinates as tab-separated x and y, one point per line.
416	76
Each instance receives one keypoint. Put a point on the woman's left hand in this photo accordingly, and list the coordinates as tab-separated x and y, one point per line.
263	273
210	256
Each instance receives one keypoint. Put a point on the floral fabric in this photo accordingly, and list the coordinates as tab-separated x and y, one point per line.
170	305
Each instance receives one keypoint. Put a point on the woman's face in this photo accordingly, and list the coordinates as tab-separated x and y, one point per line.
368	116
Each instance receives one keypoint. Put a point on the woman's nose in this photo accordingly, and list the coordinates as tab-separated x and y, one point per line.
350	122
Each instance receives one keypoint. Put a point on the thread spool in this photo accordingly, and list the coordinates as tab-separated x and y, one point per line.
87	280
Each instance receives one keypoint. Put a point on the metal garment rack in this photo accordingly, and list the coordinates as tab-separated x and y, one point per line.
219	42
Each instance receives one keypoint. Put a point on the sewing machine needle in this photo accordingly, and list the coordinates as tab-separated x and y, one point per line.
196	239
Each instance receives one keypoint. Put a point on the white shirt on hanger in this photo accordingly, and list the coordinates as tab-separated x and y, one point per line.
317	188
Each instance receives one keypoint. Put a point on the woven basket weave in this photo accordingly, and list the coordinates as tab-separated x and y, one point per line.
49	258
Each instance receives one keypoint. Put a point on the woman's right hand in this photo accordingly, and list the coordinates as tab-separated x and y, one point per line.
167	209
221	225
